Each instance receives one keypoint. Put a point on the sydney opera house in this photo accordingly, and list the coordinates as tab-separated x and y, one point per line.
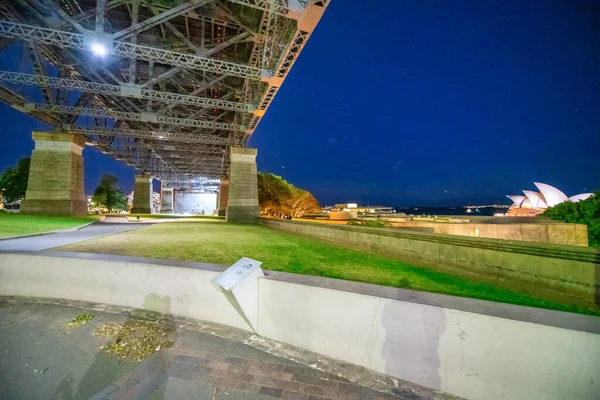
533	203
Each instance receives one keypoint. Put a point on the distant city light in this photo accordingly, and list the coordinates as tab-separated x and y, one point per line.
99	49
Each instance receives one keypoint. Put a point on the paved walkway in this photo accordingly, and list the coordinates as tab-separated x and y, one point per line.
40	359
50	240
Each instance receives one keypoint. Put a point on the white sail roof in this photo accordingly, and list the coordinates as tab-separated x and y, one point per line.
536	199
517	199
579	197
552	195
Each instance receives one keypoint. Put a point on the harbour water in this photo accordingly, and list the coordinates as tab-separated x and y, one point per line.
481	211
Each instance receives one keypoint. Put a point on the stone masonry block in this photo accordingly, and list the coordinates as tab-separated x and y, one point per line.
142	195
55	185
242	193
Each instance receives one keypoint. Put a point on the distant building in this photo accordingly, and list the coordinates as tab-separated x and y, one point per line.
345	207
354	207
534	203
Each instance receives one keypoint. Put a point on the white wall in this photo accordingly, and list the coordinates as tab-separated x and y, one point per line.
180	291
475	356
193	202
469	355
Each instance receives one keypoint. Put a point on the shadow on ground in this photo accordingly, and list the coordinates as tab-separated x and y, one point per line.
43	359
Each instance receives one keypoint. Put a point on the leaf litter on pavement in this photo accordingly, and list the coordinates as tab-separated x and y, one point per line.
136	340
79	320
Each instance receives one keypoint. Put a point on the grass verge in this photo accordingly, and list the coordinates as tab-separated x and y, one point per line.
221	243
15	224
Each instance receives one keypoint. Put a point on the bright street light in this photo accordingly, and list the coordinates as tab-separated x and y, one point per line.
99	49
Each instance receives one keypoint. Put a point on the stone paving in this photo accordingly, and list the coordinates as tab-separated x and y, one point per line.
41	359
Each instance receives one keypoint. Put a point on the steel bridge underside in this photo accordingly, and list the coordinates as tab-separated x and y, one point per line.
166	86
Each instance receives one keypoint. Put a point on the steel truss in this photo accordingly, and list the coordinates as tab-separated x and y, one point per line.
150	163
189	177
289	58
156	135
166	152
186	148
13	30
132	91
138	156
129	116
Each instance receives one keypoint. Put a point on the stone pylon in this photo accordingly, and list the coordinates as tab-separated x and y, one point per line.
166	200
55	185
223	197
242	202
142	195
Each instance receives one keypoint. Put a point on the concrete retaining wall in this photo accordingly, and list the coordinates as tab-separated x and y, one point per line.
546	232
570	269
173	287
472	355
469	348
570	234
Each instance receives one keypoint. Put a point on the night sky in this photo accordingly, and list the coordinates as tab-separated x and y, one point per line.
421	103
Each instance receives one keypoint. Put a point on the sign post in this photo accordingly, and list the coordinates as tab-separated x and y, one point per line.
239	284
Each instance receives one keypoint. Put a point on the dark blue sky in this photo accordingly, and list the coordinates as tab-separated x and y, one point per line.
423	103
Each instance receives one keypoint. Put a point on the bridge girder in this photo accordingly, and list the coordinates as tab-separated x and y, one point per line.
193	70
121	90
78	41
129	116
155	135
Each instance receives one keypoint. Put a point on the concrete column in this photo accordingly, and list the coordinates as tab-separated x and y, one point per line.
242	203
223	197
166	200
142	195
55	185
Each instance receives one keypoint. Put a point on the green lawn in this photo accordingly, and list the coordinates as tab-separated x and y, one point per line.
14	224
221	243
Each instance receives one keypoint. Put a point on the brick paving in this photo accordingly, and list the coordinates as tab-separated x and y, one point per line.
230	374
40	360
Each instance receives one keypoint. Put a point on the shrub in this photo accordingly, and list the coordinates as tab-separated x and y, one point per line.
370	223
582	212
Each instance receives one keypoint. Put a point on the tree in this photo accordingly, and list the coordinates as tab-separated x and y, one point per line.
109	195
273	193
13	181
278	197
302	203
581	212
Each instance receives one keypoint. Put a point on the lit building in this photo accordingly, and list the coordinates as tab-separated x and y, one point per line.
363	209
534	203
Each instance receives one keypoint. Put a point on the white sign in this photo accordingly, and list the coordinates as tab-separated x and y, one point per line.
238	271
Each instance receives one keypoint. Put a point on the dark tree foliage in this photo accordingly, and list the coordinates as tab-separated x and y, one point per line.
582	212
273	191
276	196
109	195
13	181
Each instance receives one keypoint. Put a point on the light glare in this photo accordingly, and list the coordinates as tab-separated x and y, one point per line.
99	49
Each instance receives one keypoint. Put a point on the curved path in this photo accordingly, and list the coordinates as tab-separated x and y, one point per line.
55	239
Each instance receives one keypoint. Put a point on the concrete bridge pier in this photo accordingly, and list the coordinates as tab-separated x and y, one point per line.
223	197
166	200
55	185
242	202
142	195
